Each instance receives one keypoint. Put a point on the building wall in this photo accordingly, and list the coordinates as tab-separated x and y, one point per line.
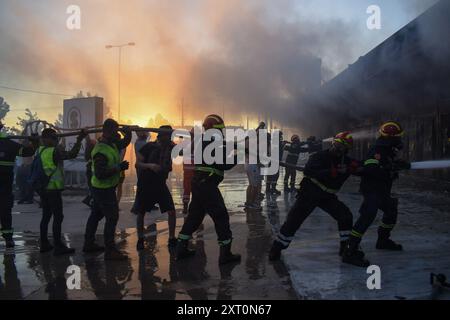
406	78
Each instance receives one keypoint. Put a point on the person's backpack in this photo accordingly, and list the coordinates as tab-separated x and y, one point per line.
38	180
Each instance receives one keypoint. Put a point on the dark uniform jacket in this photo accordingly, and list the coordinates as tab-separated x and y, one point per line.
321	169
294	149
379	168
9	150
202	176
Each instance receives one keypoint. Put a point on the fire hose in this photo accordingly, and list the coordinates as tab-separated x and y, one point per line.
90	130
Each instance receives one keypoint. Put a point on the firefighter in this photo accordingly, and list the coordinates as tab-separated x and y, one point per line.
380	170
52	157
313	144
206	198
325	173
106	169
9	150
293	149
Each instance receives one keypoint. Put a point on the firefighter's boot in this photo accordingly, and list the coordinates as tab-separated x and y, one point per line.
226	256
275	251
353	255
183	250
385	243
8	236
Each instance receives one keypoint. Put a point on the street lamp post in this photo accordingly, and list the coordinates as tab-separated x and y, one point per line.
120	46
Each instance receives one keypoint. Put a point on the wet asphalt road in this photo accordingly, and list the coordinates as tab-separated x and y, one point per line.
153	273
310	268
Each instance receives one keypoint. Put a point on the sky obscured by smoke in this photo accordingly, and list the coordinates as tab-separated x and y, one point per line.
253	57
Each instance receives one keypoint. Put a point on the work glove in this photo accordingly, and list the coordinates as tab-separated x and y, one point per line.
355	167
83	134
126	129
334	172
124	165
33	138
342	169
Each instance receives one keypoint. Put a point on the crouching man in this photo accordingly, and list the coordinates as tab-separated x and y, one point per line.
325	173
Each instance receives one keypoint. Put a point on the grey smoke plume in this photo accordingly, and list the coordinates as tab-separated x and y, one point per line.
256	57
407	74
264	66
268	66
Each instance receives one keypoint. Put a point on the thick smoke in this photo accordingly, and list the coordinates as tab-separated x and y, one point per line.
252	57
261	65
405	75
255	57
30	50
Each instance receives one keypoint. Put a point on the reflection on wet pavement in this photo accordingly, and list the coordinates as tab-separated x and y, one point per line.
311	268
423	229
153	273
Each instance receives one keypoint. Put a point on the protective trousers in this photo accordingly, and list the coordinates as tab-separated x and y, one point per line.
6	205
207	199
309	198
369	208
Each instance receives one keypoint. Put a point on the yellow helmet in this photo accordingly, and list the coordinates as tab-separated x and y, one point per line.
391	129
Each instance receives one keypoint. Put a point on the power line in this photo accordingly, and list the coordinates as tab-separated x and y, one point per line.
33	109
36	92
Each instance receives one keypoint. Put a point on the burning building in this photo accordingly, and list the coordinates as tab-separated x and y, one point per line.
405	78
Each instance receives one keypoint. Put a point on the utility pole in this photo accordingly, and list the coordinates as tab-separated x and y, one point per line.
182	112
120	46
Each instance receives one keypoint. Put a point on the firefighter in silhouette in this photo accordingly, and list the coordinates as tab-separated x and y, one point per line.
325	173
381	168
9	150
207	199
293	149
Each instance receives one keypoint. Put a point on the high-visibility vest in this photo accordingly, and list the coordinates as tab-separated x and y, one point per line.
113	160
51	169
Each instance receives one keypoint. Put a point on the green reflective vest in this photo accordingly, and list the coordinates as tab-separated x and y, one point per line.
51	169
113	160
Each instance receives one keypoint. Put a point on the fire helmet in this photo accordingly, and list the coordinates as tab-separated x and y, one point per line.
213	121
344	138
295	138
391	129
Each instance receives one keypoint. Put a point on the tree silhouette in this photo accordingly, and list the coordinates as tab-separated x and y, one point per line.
4	108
